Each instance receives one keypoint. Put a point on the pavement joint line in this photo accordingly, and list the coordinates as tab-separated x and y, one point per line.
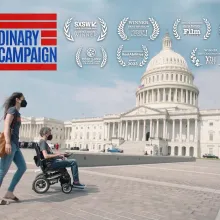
218	215
28	170
138	165
186	171
147	218
122	216
152	214
94	214
180	186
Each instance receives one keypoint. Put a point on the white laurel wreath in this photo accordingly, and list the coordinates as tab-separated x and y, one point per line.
78	54
121	31
175	28
156	29
104	57
194	59
208	29
119	58
104	30
142	63
66	29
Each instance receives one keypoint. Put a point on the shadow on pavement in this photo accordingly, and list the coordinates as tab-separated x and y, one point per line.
55	194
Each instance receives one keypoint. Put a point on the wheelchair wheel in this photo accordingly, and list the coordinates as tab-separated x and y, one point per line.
40	185
66	188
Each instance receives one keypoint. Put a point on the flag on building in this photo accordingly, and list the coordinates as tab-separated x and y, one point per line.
141	86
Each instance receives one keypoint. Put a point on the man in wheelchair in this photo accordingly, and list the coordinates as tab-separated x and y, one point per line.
58	160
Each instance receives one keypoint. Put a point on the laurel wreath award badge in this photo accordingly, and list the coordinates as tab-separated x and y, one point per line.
194	58
132	62
190	29
91	58
84	30
210	56
139	30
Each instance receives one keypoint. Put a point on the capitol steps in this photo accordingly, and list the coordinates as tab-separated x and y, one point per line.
133	147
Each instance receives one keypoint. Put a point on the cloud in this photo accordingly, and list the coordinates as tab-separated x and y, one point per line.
65	101
207	80
89	100
105	100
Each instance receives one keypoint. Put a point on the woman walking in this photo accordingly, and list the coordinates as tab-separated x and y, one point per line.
12	124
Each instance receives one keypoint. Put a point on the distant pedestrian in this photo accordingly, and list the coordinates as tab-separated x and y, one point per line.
57	146
151	152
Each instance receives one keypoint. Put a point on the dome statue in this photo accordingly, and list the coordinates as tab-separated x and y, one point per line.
167	58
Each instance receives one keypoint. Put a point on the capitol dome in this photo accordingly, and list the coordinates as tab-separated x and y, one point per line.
167	57
167	82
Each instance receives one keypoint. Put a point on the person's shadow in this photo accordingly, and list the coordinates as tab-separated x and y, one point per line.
55	194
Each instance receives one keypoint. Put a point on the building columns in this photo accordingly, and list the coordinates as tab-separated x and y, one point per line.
144	131
132	130
196	130
164	95
180	133
126	131
113	129
151	123
182	100
138	130
164	128
109	127
173	132
188	126
157	134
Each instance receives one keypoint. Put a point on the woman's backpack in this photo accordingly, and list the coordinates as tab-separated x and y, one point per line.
2	144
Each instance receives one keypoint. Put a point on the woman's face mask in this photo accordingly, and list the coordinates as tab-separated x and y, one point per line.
23	103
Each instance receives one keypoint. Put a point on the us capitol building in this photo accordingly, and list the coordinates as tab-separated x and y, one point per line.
165	121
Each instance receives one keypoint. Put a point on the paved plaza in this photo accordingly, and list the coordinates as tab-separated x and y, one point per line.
178	191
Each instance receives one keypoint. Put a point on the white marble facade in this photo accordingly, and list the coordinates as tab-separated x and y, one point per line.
166	111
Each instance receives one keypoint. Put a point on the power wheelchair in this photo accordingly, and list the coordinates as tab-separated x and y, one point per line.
50	176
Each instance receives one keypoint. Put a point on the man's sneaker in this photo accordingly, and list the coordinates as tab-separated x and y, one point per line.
78	185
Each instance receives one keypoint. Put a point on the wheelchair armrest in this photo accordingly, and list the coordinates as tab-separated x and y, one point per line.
48	159
68	154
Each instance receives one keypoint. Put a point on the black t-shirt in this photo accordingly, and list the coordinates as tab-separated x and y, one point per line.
44	146
15	125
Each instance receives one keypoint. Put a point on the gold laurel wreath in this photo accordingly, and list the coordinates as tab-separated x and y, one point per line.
194	58
156	29
175	29
208	29
104	57
78	54
66	29
142	63
121	31
119	58
104	30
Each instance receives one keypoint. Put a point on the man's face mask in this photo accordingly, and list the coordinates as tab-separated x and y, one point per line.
50	137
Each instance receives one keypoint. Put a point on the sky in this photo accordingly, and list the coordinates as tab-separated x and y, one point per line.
74	92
